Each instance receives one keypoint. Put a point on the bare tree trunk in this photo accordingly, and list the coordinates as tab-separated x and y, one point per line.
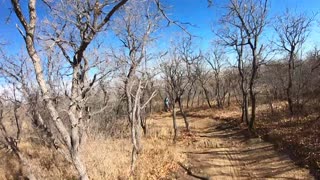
206	95
135	145
270	99
246	105
142	112
199	94
289	88
79	165
194	95
71	141
218	98
144	122
189	96
240	16
151	106
16	117
75	116
253	110
132	117
203	99
174	121
251	90
183	114
229	99
136	136
245	115
292	31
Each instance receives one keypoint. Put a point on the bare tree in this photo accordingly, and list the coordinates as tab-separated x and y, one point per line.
247	20
239	47
175	78
16	71
136	26
10	141
216	60
235	38
252	18
203	76
177	72
189	57
89	19
292	32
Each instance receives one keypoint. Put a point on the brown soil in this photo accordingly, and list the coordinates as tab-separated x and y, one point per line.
218	148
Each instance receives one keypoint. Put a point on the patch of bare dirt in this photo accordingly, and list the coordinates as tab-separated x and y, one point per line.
218	148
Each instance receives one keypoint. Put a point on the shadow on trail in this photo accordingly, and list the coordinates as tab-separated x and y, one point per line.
236	155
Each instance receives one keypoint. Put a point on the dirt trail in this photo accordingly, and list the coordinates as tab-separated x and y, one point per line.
219	149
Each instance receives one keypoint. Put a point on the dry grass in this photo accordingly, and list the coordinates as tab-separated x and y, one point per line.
106	158
109	158
45	163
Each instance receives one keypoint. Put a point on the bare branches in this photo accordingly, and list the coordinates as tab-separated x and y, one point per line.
80	85
18	11
246	21
110	14
154	93
170	21
135	29
292	30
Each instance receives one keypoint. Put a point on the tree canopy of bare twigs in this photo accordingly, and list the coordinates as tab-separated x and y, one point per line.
292	31
246	21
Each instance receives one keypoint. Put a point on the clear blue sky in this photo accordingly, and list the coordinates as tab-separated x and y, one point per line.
196	12
192	11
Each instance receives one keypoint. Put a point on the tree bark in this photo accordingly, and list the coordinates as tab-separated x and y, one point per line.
194	95
207	96
251	89
189	96
183	114
79	165
175	130
289	88
218	94
253	110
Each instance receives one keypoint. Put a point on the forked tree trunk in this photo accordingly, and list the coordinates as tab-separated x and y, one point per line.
134	116
69	139
79	165
174	116
206	95
136	136
183	114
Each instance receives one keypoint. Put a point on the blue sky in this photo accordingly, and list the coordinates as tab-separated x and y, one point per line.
195	12
206	19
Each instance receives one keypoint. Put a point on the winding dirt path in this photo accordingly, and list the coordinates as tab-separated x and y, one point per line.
219	149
